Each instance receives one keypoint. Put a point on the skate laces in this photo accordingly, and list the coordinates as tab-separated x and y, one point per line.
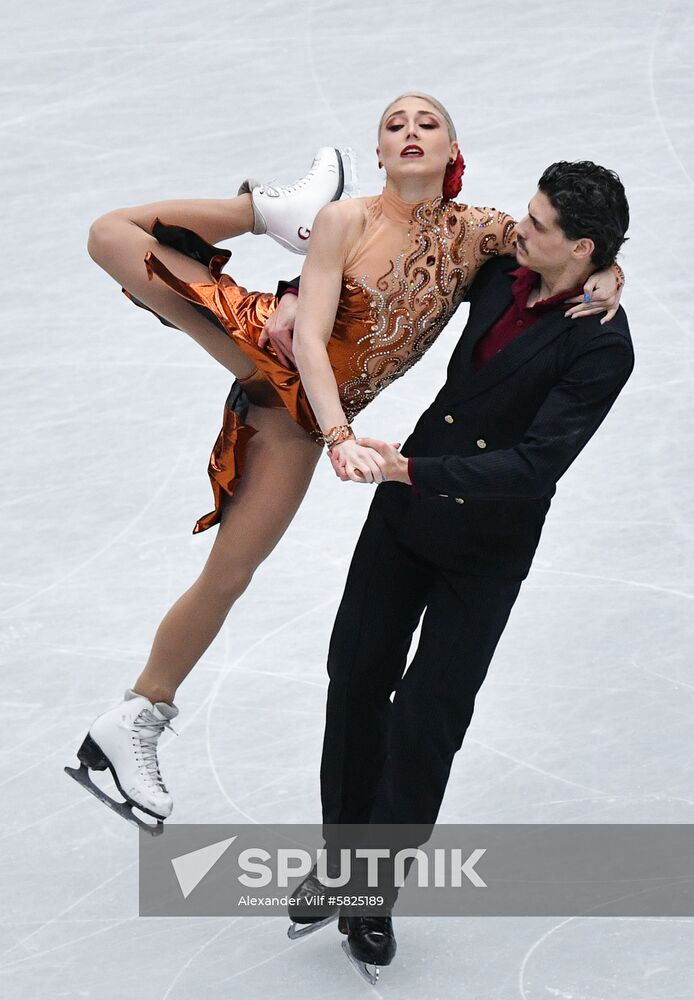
290	188
148	744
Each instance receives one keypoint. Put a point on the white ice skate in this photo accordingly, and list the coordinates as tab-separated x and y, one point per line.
286	212
124	740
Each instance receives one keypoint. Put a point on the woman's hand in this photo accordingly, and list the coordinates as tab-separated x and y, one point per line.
279	329
604	290
357	463
393	465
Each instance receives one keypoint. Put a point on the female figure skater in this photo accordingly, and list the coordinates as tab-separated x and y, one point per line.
382	278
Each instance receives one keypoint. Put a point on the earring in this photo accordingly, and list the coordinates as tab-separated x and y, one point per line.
380	165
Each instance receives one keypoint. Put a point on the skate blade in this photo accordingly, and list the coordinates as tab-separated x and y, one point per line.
361	967
296	931
124	809
348	157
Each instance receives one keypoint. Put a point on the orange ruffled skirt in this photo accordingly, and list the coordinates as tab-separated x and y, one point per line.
241	315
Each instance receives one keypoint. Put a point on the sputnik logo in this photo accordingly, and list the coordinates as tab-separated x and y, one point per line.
191	868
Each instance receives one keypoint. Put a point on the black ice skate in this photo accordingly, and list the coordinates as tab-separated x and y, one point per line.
370	942
311	912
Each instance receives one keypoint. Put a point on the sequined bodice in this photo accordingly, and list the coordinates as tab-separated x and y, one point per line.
403	280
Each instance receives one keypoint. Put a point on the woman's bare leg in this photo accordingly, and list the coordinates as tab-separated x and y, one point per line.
118	242
280	457
214	219
280	462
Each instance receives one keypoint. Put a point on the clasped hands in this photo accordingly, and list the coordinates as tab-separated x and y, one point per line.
368	460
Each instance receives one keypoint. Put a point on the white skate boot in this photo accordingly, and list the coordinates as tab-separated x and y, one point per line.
124	740
286	213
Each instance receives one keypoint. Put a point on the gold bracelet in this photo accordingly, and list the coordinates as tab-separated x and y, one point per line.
338	434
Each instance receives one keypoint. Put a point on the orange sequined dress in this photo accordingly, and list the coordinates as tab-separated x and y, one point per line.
404	278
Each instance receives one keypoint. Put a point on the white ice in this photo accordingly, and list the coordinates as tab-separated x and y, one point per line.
108	419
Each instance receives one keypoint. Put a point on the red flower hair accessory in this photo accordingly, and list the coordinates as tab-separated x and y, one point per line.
453	178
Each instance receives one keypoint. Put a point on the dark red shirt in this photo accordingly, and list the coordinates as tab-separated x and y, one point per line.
517	318
519	315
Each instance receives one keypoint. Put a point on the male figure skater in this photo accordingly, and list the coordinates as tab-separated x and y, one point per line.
454	525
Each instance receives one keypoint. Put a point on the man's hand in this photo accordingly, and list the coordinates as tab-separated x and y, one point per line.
355	462
279	329
393	465
604	292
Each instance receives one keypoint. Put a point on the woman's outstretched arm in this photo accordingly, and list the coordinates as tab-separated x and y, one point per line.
603	287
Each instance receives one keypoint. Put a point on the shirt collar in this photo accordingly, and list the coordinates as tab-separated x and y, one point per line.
525	281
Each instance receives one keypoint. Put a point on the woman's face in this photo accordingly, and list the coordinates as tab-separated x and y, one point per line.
414	141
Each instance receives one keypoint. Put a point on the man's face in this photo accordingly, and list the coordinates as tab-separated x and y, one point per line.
541	244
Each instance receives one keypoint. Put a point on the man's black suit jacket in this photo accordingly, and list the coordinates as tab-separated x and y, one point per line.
487	453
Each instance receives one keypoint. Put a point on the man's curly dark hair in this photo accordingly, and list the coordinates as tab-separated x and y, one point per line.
590	203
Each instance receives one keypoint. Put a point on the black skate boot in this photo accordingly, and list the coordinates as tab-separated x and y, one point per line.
312	911
370	942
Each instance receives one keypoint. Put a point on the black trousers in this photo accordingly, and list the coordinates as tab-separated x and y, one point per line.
389	762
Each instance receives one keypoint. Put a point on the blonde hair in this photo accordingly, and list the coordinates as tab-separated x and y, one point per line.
432	100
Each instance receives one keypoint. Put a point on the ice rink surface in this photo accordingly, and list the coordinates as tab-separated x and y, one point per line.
108	419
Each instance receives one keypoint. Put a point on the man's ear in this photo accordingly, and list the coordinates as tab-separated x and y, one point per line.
584	249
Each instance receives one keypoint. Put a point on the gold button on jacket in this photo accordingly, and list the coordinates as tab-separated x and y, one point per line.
481	443
448	418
